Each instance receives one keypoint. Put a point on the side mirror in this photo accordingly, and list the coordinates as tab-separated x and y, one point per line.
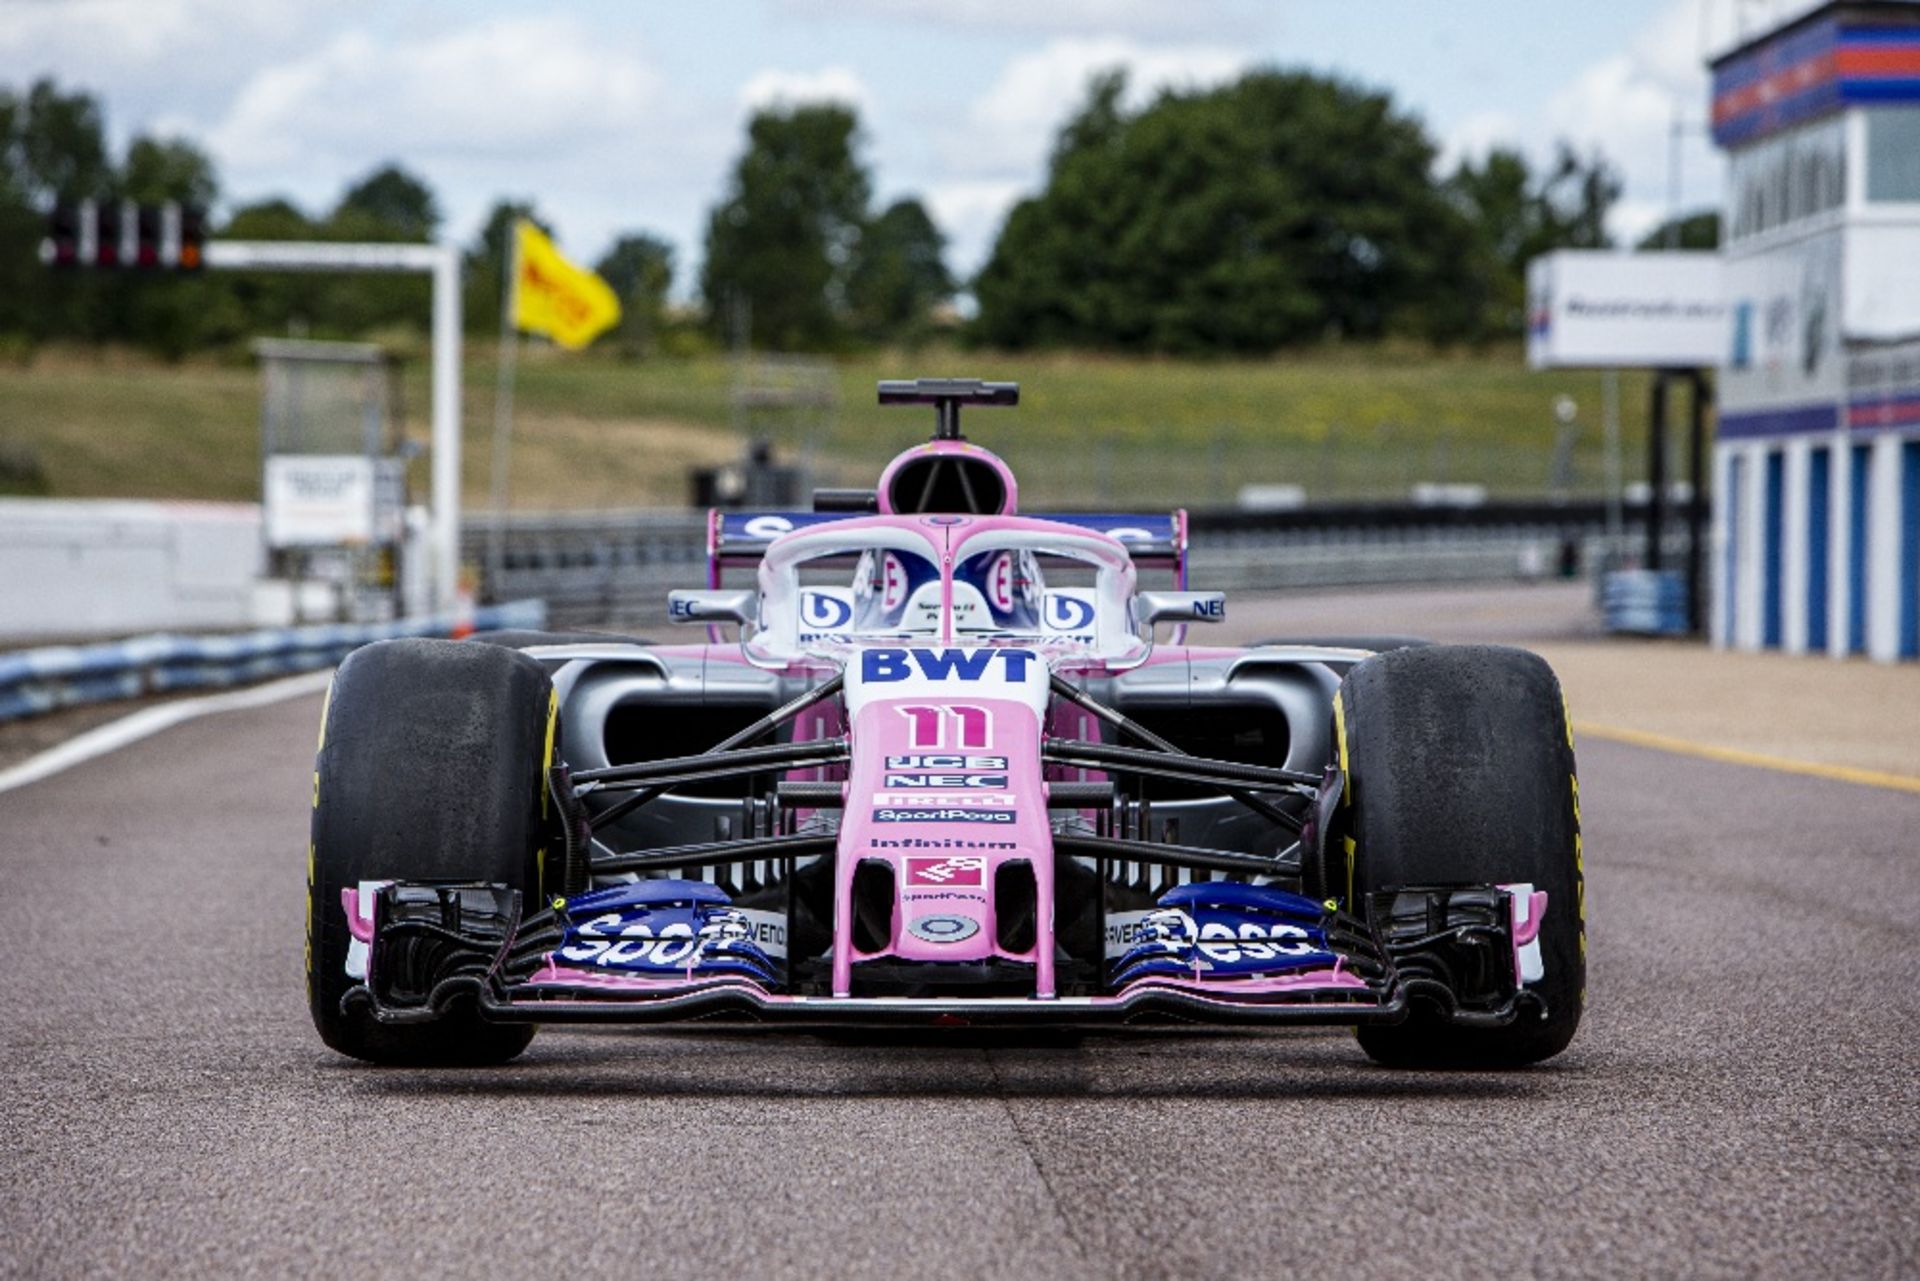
1179	607
688	606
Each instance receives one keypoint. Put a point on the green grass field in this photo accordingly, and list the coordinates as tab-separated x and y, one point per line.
595	431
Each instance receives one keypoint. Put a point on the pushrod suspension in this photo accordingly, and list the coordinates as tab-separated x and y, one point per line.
672	856
771	721
749	760
1117	849
828	796
1199	767
1127	725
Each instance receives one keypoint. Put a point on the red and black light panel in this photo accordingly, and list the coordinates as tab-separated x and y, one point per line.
123	234
193	238
63	236
106	250
147	245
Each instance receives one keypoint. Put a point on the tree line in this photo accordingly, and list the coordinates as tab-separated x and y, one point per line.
1283	208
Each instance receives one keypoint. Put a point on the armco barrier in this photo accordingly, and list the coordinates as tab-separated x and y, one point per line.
42	680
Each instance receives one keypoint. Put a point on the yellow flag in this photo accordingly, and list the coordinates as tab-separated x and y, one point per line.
551	296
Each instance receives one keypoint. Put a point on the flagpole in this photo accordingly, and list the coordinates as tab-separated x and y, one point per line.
503	415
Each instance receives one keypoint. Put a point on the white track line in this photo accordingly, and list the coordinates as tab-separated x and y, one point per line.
149	721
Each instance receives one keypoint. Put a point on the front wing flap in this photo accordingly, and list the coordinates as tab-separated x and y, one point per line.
662	951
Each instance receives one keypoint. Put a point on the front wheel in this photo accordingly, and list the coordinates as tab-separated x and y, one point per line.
1460	774
432	767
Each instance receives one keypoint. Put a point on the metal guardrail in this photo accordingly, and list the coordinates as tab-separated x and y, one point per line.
608	567
615	568
34	681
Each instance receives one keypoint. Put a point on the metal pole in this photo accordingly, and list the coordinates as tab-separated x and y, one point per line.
1697	503
503	421
1656	469
1610	423
1672	236
443	262
444	531
502	462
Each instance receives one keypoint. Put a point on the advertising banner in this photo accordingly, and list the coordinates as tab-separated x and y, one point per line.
1605	310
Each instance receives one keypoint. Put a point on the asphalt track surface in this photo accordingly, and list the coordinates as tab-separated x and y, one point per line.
1743	1100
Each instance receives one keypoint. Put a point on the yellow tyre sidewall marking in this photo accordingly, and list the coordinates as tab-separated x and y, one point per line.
326	705
1346	785
546	765
1579	848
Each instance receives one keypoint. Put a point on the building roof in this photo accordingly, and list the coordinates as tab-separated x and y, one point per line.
1891	12
1848	53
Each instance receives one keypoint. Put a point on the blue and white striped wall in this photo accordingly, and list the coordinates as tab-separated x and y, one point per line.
1817	543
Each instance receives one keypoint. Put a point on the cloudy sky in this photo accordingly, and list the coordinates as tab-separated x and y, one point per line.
618	115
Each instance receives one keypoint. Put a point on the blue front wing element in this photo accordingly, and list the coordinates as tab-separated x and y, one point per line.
669	929
690	929
1220	929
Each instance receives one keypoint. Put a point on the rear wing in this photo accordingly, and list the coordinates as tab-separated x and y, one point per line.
740	538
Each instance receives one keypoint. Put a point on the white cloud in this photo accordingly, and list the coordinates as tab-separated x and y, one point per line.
1628	106
1010	128
534	106
511	90
1625	105
1473	136
969	212
1131	17
771	88
610	130
997	152
1633	218
119	35
177	59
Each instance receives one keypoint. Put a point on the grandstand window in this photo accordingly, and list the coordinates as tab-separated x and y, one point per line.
1789	177
1893	154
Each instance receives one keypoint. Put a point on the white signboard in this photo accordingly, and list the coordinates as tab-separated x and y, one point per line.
1607	310
319	500
1784	340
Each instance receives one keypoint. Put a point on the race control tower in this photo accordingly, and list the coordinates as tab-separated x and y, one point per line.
1817	462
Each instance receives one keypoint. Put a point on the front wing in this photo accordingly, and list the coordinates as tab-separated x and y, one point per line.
431	948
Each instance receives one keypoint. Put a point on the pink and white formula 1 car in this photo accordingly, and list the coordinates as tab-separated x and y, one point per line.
944	775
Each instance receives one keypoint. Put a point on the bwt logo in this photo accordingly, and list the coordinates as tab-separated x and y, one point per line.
881	665
818	609
1068	613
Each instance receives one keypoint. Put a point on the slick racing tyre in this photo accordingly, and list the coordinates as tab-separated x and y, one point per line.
521	638
432	767
1460	772
1378	644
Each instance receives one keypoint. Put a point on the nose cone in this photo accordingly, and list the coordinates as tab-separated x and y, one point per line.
944	797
